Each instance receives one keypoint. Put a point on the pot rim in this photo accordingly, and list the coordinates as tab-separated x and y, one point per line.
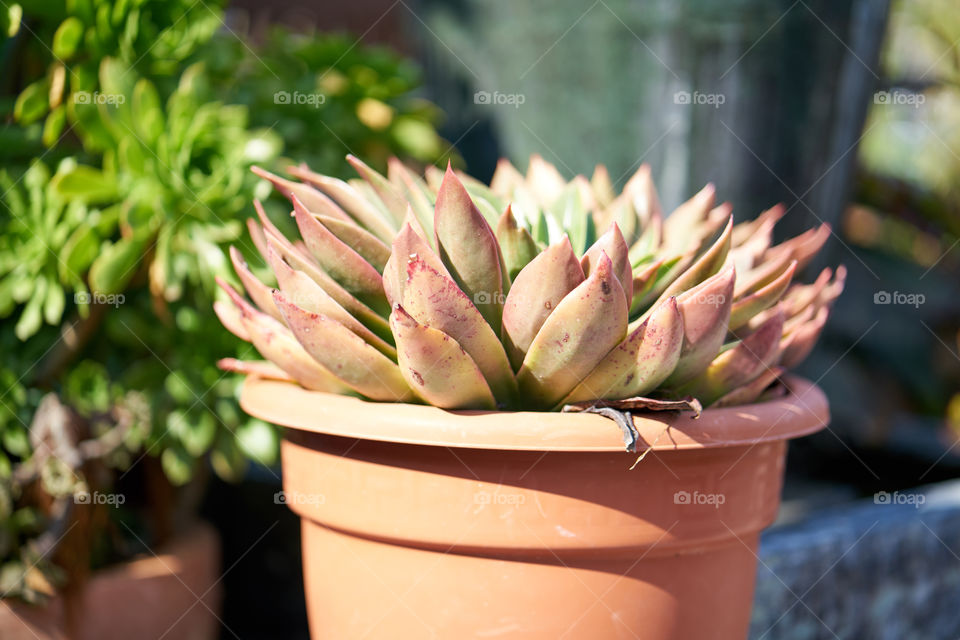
801	411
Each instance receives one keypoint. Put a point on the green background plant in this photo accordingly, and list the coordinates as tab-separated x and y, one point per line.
127	133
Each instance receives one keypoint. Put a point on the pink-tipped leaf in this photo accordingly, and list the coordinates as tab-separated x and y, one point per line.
346	355
436	367
638	364
589	322
468	247
536	292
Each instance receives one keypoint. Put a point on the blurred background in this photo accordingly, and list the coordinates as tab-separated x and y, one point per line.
126	134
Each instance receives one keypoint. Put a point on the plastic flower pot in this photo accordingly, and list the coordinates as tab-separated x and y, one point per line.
419	522
174	594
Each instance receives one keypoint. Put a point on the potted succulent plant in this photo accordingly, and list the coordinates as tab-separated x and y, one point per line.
439	348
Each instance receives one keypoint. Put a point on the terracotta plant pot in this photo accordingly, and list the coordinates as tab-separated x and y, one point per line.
419	522
174	594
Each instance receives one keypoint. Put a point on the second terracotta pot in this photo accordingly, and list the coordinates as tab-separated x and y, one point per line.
423	523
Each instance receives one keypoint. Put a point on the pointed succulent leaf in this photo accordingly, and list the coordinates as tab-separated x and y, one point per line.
833	290
259	368
339	350
544	180
392	287
437	367
589	322
417	195
435	300
408	245
487	210
744	232
706	311
387	192
798	344
748	250
763	274
540	228
638	364
584	193
746	308
276	343
614	247
258	292
256	231
687	217
303	291
805	246
739	364
468	247
800	296
434	177
705	266
536	292
480	191
311	198
370	247
747	393
340	261
643	196
602	186
571	213
351	201
231	318
505	179
622	213
644	279
516	244
646	246
297	259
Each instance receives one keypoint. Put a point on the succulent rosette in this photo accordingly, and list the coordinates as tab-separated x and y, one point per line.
533	292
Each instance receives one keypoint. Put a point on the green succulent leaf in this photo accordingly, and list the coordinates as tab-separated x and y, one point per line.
32	103
67	38
115	265
87	184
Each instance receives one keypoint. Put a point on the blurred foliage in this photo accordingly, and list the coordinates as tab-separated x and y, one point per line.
907	215
359	102
126	134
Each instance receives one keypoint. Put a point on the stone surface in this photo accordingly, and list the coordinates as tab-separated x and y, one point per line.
884	569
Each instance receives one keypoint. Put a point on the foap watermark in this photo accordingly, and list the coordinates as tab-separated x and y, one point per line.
97	497
899	97
900	298
886	497
495	97
486	297
95	97
296	497
299	98
712	99
111	299
711	299
698	498
498	497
